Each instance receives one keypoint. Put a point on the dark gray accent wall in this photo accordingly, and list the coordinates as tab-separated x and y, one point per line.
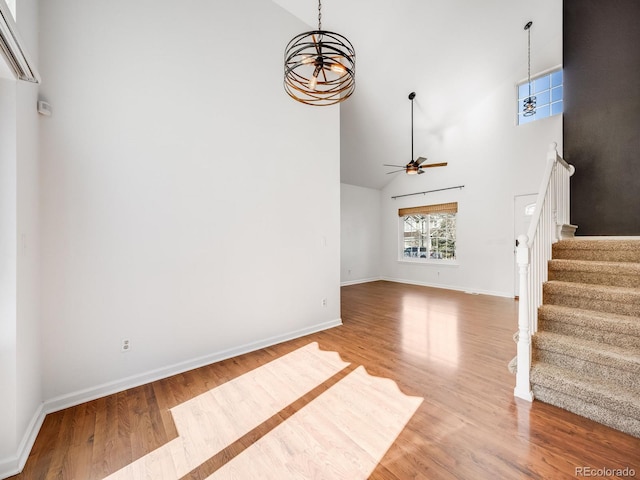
602	114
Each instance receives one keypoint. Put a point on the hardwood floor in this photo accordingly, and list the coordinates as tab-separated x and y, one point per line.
446	350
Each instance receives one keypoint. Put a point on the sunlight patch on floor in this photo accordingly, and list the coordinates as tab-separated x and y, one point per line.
345	430
430	332
344	433
211	421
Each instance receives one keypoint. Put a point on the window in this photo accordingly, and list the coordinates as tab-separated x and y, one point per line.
548	92
530	209
428	233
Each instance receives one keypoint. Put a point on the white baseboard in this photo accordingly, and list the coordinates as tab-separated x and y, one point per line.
14	465
88	394
361	280
450	287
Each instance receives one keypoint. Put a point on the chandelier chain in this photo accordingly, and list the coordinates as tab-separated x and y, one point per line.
319	14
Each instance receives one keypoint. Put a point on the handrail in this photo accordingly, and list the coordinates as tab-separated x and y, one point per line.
552	160
564	163
533	253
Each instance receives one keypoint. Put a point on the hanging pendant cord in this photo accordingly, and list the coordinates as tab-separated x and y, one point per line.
412	129
529	57
319	14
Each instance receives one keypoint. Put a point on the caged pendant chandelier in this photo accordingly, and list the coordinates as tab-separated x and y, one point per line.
529	103
319	67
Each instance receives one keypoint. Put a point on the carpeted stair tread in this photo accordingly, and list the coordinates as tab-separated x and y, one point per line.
622	274
610	322
588	410
604	298
616	250
623	358
604	292
582	243
602	393
628	268
590	330
596	360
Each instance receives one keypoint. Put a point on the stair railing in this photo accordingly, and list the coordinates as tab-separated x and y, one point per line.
550	223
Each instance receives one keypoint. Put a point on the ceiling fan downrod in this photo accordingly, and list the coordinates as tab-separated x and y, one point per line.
412	95
415	166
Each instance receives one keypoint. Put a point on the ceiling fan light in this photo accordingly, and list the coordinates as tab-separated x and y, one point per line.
413	170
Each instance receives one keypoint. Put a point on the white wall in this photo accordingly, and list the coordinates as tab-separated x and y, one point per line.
29	372
187	204
495	160
20	365
8	268
359	234
28	338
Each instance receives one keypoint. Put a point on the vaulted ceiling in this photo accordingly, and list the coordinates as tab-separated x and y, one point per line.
451	53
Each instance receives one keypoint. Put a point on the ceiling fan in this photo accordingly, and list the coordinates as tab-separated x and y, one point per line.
414	167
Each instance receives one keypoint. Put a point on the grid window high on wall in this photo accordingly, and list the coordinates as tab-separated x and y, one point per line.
548	90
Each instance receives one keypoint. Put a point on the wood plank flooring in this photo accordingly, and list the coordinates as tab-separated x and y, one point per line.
447	348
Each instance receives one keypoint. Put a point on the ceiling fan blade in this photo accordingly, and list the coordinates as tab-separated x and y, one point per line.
430	165
387	165
420	172
420	160
396	171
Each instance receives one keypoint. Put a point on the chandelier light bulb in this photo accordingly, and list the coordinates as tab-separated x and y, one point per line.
338	68
313	82
308	59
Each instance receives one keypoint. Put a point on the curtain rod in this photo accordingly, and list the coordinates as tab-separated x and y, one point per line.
428	191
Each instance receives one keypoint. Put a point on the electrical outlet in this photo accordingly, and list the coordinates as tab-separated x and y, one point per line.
324	302
125	346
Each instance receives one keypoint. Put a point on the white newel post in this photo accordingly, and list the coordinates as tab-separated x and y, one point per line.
523	386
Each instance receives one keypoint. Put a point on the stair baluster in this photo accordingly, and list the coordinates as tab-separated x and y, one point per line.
533	254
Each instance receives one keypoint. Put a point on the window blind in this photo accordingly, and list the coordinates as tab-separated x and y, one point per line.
451	207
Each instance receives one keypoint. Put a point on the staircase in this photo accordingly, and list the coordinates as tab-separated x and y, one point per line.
586	351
